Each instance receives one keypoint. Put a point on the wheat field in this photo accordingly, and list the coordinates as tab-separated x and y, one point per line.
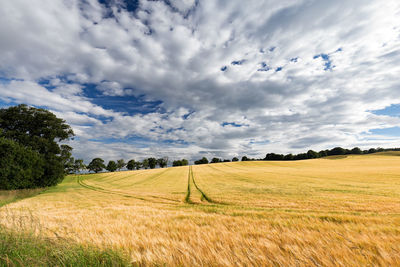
323	212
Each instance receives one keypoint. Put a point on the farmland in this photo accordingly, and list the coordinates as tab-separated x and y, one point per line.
342	210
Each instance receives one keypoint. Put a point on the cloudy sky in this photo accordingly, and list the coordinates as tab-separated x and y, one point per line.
193	78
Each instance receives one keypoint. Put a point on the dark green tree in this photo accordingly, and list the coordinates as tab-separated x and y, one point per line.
311	154
79	165
131	164
336	151
152	162
162	162
145	164
41	131
203	160
120	164
96	165
235	159
356	151
20	166
215	160
112	166
245	158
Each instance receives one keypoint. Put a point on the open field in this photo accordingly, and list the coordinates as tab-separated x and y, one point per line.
322	212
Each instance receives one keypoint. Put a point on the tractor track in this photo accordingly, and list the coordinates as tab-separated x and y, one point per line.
107	191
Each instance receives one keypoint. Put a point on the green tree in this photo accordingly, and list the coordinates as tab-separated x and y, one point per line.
152	162
96	165
184	162
41	131
311	154
79	165
120	164
67	159
20	167
131	164
356	150
245	158
203	160
162	162
215	160
145	164
235	159
112	166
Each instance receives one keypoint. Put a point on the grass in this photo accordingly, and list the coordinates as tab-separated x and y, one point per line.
18	249
318	212
10	196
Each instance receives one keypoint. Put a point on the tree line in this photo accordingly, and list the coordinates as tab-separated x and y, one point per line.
98	164
311	154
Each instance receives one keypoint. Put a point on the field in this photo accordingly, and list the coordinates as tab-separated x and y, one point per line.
323	212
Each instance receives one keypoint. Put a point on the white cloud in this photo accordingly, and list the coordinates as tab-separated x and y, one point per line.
174	53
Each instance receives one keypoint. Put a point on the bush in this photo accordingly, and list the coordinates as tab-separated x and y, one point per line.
20	167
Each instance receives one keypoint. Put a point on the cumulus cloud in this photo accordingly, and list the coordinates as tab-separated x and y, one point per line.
228	77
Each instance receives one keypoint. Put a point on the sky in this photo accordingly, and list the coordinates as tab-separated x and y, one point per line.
191	78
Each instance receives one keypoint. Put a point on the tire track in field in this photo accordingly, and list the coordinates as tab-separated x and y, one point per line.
107	191
203	195
187	197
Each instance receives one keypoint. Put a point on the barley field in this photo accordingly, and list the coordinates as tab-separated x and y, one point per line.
324	212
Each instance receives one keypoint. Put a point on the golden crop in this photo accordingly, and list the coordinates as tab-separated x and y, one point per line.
322	212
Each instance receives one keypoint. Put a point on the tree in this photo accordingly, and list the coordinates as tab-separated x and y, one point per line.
336	151
112	166
245	158
145	164
96	165
79	165
311	154
40	130
203	160
131	164
323	153
20	167
226	160
182	162
120	164
235	159
162	162
356	151
288	157
152	162
215	160
67	159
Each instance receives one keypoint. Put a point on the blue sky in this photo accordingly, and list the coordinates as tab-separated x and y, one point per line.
189	78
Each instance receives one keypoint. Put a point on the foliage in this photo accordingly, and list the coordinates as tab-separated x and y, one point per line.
152	162
145	164
245	158
204	160
39	130
112	166
182	162
162	162
120	164
79	165
131	164
96	165
235	159
215	160
20	167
